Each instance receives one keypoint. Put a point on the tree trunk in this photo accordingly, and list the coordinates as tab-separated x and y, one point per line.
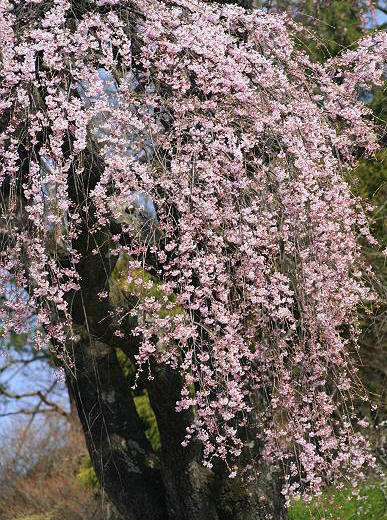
260	499
172	485
188	485
141	484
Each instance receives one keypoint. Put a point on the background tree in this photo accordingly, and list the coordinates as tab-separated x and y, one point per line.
158	160
44	474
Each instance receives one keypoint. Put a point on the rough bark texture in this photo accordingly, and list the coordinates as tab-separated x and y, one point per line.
259	500
115	438
119	450
172	485
188	484
175	488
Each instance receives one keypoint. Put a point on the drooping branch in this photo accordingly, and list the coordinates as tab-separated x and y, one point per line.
257	264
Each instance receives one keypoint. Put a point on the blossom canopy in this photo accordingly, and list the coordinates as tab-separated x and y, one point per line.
201	146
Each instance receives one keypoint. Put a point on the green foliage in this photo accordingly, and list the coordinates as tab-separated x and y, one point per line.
137	288
86	476
126	365
340	25
343	505
141	401
371	184
146	414
334	26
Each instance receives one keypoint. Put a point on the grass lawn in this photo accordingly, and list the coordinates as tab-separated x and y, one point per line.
342	505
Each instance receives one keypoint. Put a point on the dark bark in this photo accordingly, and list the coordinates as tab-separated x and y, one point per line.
188	485
120	452
174	486
177	488
258	500
194	492
247	4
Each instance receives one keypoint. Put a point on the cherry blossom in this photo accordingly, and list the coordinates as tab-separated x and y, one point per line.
214	129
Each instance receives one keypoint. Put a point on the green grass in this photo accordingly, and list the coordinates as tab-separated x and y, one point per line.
342	505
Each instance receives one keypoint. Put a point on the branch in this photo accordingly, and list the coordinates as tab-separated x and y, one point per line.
381	8
186	480
26	411
13	362
54	407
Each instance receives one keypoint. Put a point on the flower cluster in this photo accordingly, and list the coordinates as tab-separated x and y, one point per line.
215	118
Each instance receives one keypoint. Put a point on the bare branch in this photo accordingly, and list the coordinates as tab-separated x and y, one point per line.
43	397
381	8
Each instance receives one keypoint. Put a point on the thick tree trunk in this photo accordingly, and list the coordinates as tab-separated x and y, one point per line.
172	485
176	487
120	452
188	485
260	499
194	492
